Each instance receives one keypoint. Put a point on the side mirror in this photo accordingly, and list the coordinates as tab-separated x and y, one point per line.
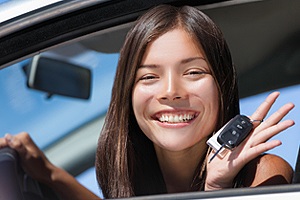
58	77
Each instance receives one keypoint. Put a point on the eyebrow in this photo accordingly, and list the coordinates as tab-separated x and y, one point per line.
184	61
148	66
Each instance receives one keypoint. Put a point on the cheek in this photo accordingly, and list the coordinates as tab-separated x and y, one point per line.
213	94
208	94
207	90
140	98
213	101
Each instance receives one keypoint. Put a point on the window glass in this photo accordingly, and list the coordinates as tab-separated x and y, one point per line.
88	179
48	120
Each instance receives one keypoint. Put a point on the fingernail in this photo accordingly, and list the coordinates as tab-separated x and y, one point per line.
9	138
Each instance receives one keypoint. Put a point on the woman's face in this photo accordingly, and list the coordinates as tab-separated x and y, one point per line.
175	99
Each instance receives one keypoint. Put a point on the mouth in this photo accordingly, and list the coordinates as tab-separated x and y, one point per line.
176	117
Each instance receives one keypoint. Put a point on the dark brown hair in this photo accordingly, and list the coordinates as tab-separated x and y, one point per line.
126	163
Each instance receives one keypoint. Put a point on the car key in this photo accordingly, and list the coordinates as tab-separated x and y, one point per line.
235	131
231	135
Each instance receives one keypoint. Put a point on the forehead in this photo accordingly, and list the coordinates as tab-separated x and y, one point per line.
174	44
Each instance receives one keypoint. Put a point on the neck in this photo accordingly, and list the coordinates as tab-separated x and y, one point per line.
178	168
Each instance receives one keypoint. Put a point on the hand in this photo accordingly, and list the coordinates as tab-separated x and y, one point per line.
33	160
222	171
37	166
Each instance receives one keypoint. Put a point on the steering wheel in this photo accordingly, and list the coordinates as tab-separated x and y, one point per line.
15	184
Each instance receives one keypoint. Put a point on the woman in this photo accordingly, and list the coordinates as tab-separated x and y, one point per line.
175	86
174	61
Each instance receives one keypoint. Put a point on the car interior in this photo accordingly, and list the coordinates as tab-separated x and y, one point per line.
68	51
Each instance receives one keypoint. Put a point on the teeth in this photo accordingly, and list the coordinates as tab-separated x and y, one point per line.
176	118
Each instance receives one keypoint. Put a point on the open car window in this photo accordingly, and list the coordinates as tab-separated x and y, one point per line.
67	128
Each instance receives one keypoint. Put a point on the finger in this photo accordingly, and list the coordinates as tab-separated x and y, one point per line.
3	141
262	148
8	138
15	143
262	111
276	116
270	132
26	139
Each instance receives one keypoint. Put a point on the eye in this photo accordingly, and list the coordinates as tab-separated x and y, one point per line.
195	72
148	77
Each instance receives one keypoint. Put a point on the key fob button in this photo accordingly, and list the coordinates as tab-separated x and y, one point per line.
235	131
239	126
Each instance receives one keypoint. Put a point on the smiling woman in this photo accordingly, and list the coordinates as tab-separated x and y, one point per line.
152	156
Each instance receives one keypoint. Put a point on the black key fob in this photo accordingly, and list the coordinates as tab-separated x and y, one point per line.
236	130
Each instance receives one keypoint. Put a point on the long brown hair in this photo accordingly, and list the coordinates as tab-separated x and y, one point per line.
126	163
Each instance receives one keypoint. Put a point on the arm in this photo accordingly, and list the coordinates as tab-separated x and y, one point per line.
222	171
67	187
36	165
268	169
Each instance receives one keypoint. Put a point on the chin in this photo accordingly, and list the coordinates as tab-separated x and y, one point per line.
175	146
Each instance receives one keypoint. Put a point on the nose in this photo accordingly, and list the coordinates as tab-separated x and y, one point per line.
171	89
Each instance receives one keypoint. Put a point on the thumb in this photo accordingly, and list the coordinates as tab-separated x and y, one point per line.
14	143
3	142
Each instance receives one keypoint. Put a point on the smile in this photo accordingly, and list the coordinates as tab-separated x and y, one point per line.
176	118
